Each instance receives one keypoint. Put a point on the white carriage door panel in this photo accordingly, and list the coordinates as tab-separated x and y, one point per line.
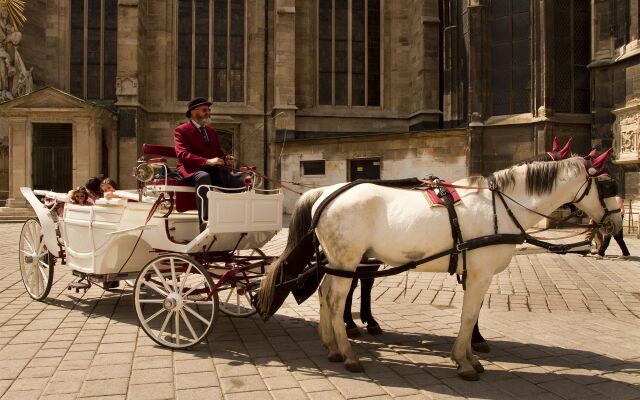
229	214
244	212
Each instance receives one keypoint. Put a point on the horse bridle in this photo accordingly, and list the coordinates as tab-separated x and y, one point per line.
606	187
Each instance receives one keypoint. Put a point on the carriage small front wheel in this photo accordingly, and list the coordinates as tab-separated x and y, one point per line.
36	263
175	302
235	296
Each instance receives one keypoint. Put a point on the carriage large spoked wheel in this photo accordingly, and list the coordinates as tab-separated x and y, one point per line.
235	296
175	302
36	263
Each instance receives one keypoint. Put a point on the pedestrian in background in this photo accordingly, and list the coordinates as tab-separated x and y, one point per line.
619	238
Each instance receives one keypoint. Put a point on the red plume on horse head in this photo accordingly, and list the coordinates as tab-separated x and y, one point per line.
556	144
598	162
557	153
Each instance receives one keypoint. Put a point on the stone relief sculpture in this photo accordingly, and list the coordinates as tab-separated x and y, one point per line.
15	79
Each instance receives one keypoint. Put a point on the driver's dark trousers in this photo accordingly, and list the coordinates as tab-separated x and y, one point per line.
619	239
212	176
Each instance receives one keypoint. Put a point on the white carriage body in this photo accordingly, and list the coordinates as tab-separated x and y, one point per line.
114	236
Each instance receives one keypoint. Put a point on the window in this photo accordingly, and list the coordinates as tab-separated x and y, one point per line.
211	39
349	52
620	28
572	39
315	167
93	60
510	56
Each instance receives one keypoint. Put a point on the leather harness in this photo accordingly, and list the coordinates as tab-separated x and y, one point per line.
606	188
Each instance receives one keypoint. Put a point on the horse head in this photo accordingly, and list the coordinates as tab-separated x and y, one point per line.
600	204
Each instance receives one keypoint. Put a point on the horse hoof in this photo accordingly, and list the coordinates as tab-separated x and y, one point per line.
469	375
336	357
478	367
374	329
481	347
354	367
353	333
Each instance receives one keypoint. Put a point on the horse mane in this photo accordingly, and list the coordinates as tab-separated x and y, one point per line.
476	180
540	157
541	176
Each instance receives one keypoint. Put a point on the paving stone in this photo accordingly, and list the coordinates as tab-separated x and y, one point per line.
196	380
247	383
616	390
316	385
22	395
254	395
235	369
569	389
208	393
151	391
281	382
356	387
99	372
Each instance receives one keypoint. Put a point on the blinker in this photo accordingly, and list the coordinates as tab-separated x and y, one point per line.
607	187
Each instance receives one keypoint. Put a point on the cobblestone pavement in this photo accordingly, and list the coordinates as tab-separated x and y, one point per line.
560	327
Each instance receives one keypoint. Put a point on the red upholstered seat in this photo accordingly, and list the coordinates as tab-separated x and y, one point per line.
185	200
158	150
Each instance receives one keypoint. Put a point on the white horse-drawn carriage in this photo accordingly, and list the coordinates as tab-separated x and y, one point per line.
153	235
179	271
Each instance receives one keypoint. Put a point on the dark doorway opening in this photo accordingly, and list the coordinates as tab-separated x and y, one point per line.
364	169
52	157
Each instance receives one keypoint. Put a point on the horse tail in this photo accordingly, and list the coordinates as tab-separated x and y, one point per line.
295	256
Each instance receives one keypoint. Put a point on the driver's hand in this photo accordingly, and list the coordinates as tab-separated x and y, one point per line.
215	161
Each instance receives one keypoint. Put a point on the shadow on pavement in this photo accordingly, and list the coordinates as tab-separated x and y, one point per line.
396	360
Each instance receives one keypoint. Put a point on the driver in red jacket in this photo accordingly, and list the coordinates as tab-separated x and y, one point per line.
200	158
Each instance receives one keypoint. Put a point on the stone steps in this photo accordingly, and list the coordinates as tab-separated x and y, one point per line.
11	214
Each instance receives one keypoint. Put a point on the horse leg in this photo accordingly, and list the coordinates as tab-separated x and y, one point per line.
462	354
365	307
352	328
336	301
478	342
327	338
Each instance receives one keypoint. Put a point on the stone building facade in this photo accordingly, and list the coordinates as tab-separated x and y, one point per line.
323	91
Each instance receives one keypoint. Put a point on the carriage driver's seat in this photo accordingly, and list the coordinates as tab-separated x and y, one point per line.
185	199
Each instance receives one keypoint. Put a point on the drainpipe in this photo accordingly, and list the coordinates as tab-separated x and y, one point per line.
265	134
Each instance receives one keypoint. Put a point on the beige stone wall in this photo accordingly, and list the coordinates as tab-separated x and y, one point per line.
164	112
403	155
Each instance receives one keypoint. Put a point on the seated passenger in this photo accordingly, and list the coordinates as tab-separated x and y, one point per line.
80	196
93	188
108	186
200	158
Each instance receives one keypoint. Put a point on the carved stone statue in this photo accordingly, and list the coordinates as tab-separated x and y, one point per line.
15	79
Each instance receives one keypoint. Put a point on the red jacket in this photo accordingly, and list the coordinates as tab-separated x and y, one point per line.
192	150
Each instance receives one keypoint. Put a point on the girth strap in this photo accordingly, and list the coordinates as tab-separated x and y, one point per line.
456	233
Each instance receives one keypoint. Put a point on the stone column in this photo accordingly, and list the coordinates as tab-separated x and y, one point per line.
424	70
284	82
19	160
477	50
543	49
83	151
130	67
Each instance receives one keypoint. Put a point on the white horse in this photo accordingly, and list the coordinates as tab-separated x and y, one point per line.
397	226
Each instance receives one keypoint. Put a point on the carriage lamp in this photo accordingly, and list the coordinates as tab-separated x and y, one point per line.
144	172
